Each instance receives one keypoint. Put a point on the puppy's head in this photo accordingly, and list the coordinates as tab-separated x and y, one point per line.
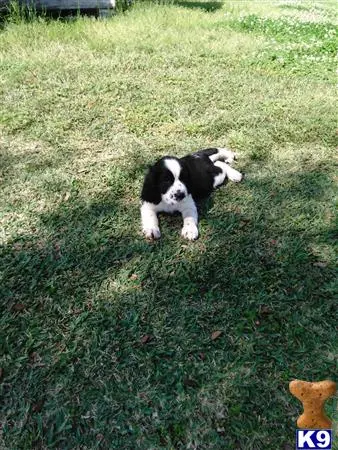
166	181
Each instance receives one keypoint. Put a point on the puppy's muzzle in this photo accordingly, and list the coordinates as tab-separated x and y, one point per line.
179	195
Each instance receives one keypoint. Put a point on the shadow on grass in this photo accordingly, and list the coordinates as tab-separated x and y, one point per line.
107	338
205	6
22	14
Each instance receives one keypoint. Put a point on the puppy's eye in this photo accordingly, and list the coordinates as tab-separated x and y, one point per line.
167	177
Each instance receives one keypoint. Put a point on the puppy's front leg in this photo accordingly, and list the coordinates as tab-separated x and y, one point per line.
190	219
149	219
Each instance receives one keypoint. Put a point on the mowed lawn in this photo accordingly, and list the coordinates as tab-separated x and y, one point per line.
107	340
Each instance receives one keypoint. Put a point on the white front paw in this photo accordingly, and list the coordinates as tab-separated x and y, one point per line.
152	233
190	231
234	175
227	155
230	158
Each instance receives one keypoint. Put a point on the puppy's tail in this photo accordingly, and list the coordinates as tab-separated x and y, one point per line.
217	154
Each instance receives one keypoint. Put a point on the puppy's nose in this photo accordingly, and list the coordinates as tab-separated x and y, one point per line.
179	195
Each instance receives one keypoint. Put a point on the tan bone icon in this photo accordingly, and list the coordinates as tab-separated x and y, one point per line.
313	396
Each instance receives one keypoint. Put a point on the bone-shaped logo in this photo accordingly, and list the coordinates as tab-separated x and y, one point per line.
313	397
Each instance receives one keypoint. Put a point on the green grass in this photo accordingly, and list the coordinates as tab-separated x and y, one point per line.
106	339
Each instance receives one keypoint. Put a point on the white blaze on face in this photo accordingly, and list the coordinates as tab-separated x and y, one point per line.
177	187
173	166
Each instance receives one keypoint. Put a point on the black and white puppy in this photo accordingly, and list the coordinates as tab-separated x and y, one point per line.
174	184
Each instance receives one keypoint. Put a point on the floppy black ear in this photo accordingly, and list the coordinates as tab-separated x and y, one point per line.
151	191
185	175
